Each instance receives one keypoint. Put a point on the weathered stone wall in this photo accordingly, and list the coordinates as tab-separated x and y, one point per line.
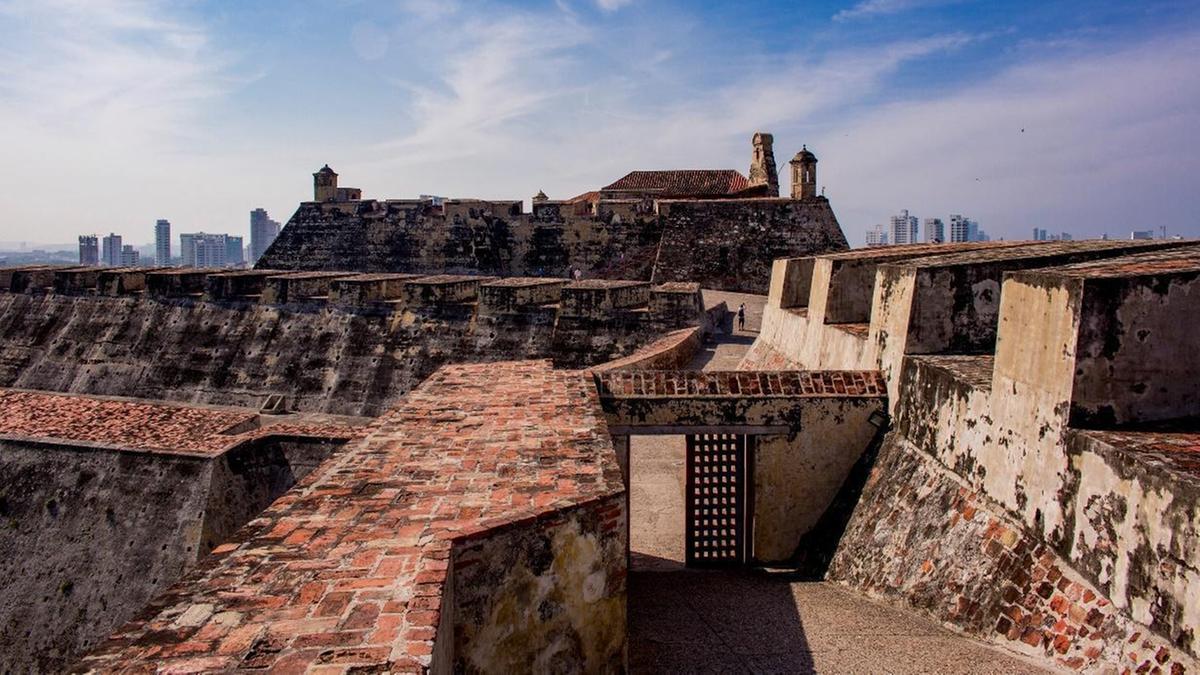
796	477
722	244
730	244
546	596
322	358
920	538
92	534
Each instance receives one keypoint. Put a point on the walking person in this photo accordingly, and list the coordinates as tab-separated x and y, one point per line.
742	316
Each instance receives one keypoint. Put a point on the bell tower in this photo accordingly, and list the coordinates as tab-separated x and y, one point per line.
804	174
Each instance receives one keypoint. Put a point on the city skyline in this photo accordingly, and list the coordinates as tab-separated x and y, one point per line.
139	111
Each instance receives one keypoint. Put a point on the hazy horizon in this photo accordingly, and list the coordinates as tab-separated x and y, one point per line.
1075	117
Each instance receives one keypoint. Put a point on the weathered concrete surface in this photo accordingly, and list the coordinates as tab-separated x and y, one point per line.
621	239
742	622
320	358
657	476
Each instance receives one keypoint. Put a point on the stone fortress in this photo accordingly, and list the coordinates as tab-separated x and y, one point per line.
395	448
717	228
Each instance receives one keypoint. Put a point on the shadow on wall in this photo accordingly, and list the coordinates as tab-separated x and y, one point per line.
690	620
817	547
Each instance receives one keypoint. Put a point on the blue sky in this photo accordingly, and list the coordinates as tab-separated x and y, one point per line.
1077	116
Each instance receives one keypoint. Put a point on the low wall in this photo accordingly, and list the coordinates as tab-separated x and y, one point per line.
541	596
94	533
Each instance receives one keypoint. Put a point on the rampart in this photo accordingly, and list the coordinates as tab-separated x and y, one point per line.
106	502
339	343
719	243
1039	485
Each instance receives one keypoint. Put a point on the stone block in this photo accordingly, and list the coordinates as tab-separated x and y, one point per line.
676	301
177	283
122	281
243	284
369	289
518	294
79	281
442	289
600	298
300	286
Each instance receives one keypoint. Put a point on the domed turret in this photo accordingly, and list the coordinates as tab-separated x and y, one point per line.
804	174
325	185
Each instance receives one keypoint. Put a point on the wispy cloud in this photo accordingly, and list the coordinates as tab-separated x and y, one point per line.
612	5
1047	142
872	8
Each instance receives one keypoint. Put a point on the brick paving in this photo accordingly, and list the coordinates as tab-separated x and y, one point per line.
136	425
347	569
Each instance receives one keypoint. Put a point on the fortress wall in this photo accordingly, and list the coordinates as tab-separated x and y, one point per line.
93	533
355	361
922	539
730	244
88	537
722	244
546	595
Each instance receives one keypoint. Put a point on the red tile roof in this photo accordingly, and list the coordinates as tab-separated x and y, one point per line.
683	183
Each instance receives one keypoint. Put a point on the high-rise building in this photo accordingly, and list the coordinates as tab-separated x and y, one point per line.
1141	234
935	231
904	229
963	228
111	250
234	255
89	250
129	256
162	242
263	231
203	250
877	236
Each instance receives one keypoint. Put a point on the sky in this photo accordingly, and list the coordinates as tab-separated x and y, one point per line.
1077	116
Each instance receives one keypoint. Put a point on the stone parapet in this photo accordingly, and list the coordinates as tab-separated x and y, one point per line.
185	282
443	289
239	285
518	294
600	298
365	290
300	287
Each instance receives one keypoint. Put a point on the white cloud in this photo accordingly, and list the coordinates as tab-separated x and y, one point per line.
872	8
1053	142
612	5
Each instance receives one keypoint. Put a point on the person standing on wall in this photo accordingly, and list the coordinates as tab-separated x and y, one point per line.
742	316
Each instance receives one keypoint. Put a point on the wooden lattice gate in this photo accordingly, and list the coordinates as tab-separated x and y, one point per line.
717	500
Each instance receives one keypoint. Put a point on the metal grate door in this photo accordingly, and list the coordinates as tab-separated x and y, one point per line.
716	500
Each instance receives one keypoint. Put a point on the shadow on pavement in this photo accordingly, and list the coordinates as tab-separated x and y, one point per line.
713	621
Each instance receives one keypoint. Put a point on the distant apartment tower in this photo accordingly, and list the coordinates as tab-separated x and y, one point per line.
963	228
129	256
110	253
877	236
200	249
89	250
905	229
234	255
162	242
1040	234
263	231
935	231
1141	234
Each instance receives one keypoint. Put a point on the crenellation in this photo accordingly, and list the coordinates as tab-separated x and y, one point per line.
177	282
240	285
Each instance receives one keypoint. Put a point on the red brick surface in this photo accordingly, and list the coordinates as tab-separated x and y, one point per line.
740	384
129	424
347	570
143	426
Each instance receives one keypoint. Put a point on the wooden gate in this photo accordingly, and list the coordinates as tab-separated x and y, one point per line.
717	502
